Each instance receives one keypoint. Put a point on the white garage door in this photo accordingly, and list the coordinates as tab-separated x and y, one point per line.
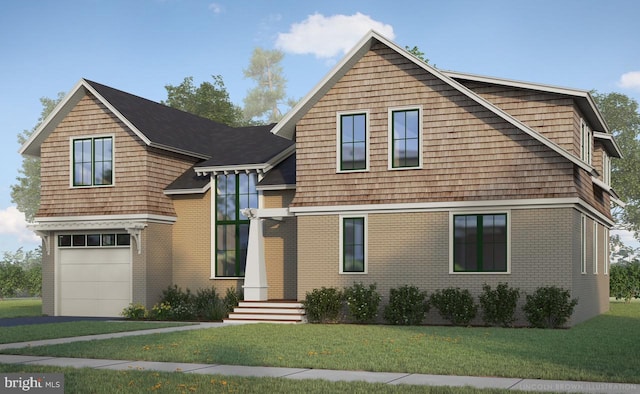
94	281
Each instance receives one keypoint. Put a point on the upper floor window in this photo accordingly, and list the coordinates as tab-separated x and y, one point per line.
352	141
480	243
93	161
404	138
606	168
586	142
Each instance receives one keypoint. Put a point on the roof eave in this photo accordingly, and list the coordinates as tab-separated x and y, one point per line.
609	143
248	167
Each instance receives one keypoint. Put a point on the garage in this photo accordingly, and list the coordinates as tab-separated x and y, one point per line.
94	274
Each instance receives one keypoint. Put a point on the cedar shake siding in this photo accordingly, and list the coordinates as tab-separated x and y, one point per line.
140	173
468	152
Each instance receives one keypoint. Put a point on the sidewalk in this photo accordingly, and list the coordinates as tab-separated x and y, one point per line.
300	373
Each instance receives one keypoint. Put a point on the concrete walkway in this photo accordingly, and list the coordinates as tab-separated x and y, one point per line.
299	373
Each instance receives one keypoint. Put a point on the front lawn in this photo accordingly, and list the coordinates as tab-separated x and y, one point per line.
20	307
602	349
35	332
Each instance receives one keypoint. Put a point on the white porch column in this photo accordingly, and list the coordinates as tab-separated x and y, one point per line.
255	274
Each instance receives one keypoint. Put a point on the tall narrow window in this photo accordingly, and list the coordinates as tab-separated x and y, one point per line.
405	138
583	244
606	168
234	192
586	137
353	142
595	247
480	243
353	245
93	161
607	252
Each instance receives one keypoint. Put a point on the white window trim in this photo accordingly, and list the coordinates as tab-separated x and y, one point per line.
595	247
366	244
113	159
606	252
583	244
479	212
390	137
367	138
586	144
606	169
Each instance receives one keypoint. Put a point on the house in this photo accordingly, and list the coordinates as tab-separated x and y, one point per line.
389	171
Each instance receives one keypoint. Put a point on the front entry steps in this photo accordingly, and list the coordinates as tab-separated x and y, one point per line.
291	312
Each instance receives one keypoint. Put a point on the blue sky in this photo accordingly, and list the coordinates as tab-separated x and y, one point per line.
140	46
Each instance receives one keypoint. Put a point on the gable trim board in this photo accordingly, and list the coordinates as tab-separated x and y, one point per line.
286	127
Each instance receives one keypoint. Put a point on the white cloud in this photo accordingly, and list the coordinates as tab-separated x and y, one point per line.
13	223
216	8
329	36
630	80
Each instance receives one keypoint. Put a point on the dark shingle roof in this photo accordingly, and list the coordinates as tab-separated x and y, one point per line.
164	126
282	174
189	181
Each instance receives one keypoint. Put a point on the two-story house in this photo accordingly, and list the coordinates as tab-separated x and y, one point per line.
389	171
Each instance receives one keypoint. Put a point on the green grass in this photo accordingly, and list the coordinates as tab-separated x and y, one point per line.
20	307
36	332
105	381
602	349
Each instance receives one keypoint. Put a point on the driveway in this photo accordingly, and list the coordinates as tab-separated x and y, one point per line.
21	321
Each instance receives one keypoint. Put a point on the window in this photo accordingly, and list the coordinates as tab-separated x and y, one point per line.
480	243
234	192
404	142
595	247
606	168
93	240
353	245
352	141
583	244
607	252
93	161
586	137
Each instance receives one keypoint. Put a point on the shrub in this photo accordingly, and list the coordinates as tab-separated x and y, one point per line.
232	299
209	306
362	302
407	306
135	312
499	305
549	307
455	305
175	304
323	305
624	280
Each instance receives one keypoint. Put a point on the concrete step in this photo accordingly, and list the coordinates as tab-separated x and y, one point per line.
267	312
270	304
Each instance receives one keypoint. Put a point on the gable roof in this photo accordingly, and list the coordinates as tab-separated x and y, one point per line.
583	99
172	130
157	125
286	127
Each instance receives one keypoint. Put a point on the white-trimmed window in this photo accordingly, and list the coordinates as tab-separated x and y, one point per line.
595	247
586	142
479	242
583	244
353	244
405	137
607	251
92	161
353	141
606	168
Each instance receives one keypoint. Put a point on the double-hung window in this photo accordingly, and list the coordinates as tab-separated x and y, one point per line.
93	161
583	244
405	127
480	243
352	141
586	144
234	192
353	244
